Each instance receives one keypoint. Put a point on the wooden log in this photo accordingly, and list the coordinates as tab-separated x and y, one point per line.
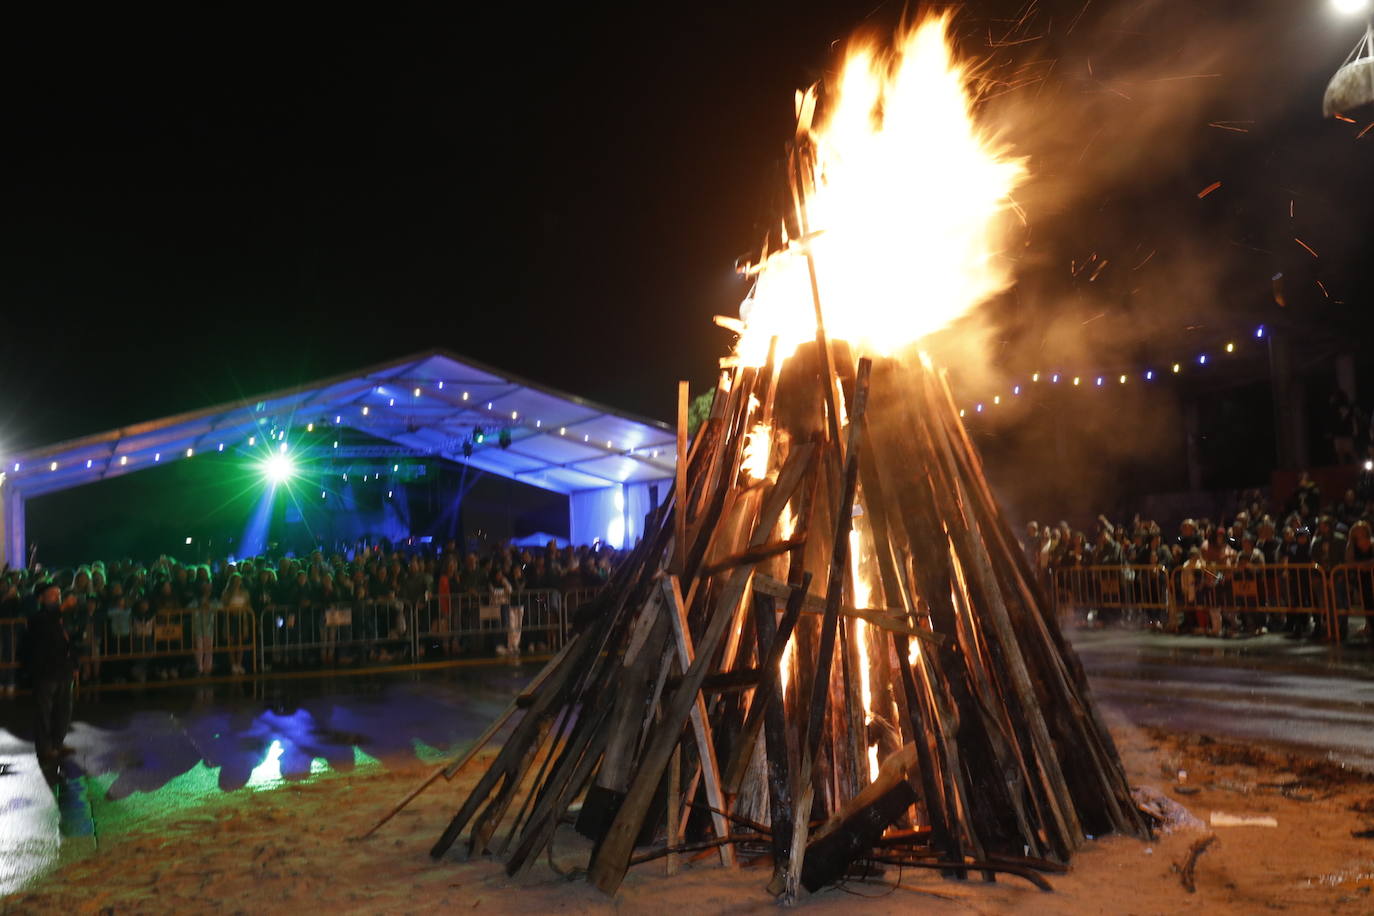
507	761
855	830
753	555
779	774
1081	726
839	561
888	619
674	809
769	690
680	517
701	726
611	858
636	684
577	761
449	770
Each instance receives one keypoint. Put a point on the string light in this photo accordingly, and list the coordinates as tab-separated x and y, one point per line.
417	392
1099	381
1202	360
996	399
1123	379
1055	378
1035	377
157	456
515	415
465	395
562	430
1075	380
88	464
391	403
190	452
1149	375
1230	348
252	440
979	408
123	460
1259	332
337	420
1015	389
221	447
364	410
310	427
1177	367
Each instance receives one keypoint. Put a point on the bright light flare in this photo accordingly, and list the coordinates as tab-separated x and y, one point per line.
278	468
1349	7
906	212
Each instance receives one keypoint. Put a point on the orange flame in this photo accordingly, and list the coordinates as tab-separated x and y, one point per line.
757	445
904	209
863	597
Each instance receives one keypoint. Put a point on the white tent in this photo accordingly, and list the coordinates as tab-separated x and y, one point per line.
430	403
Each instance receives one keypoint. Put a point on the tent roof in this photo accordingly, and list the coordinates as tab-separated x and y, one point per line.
427	403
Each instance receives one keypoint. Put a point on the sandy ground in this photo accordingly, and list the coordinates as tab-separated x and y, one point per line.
290	847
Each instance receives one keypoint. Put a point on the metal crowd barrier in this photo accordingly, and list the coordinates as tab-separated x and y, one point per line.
1130	591
383	631
1351	595
466	622
378	630
172	634
1249	593
1254	593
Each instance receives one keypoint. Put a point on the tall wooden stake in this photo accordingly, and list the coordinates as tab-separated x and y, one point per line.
680	491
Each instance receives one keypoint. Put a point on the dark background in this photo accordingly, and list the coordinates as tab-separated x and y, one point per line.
204	206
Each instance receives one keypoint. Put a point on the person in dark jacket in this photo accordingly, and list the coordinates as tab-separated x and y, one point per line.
52	664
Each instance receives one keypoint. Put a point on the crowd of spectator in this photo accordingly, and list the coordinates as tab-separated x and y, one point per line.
1307	531
105	601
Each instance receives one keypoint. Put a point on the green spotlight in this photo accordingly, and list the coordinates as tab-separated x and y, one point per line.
278	468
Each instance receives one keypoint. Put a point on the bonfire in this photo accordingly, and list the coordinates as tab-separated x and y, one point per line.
827	654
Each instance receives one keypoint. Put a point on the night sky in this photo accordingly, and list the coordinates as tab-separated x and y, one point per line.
203	208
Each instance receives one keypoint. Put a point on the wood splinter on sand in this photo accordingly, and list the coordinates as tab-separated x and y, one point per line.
946	723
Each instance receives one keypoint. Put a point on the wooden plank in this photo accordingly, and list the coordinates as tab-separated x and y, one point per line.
769	690
839	563
889	619
753	555
768	706
680	493
612	858
674	810
701	727
853	831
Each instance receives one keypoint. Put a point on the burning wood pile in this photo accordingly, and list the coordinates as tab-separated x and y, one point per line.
827	653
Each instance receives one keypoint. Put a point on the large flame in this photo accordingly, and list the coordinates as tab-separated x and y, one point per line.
863	597
905	210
